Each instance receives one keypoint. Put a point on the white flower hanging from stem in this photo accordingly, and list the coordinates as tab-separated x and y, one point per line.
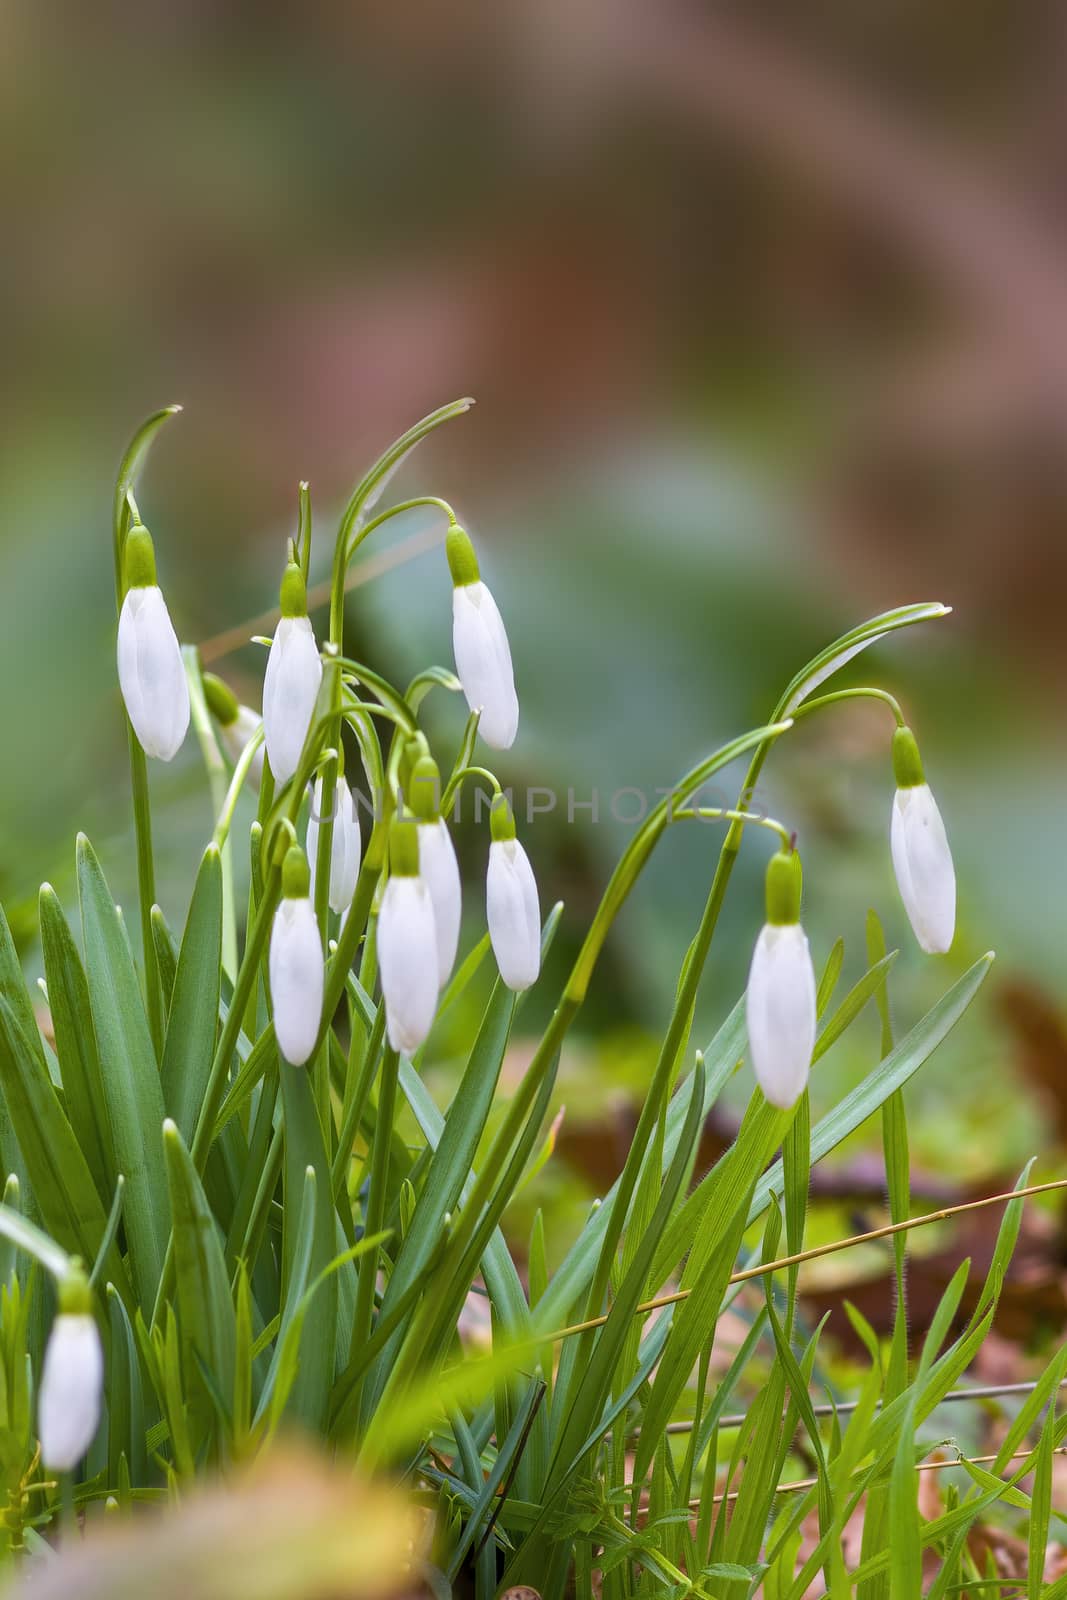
919	845
512	905
480	642
68	1406
297	970
292	679
780	999
346	844
407	944
237	724
151	675
438	866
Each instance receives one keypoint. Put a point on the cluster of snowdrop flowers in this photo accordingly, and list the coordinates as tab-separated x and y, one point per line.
780	999
72	1378
420	907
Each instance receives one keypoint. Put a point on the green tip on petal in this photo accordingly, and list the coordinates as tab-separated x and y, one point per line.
907	763
784	883
462	561
294	595
424	789
501	819
403	849
222	702
139	559
74	1294
296	878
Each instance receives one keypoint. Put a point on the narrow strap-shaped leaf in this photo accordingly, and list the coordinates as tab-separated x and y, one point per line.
125	1399
205	1305
304	1151
70	1208
132	1092
453	1158
194	1007
72	1026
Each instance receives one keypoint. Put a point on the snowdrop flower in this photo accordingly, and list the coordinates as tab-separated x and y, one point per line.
512	907
780	1000
297	971
922	860
291	683
438	866
151	674
480	643
407	944
237	724
68	1406
345	848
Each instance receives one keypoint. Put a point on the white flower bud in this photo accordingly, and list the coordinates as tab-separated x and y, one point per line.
235	736
922	862
68	1406
407	957
483	662
151	674
439	870
346	845
290	689
513	912
780	1012
297	970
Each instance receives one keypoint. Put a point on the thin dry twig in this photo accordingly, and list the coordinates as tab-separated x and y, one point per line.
764	1267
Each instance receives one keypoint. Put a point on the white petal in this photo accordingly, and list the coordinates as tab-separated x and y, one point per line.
345	848
236	736
513	912
922	862
780	1012
296	979
483	662
290	689
151	674
68	1407
407	956
439	870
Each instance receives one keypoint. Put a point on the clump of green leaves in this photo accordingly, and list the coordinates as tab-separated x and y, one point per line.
270	1249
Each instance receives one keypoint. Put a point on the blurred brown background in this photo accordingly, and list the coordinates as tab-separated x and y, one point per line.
765	310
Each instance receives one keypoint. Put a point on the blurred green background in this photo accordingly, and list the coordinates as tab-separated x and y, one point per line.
765	310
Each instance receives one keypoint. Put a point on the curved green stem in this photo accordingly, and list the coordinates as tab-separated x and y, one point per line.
866	693
716	813
460	777
224	820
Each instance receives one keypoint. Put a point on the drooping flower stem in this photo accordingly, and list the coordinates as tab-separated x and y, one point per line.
839	695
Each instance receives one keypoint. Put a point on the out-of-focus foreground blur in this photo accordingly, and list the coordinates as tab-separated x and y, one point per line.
765	311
